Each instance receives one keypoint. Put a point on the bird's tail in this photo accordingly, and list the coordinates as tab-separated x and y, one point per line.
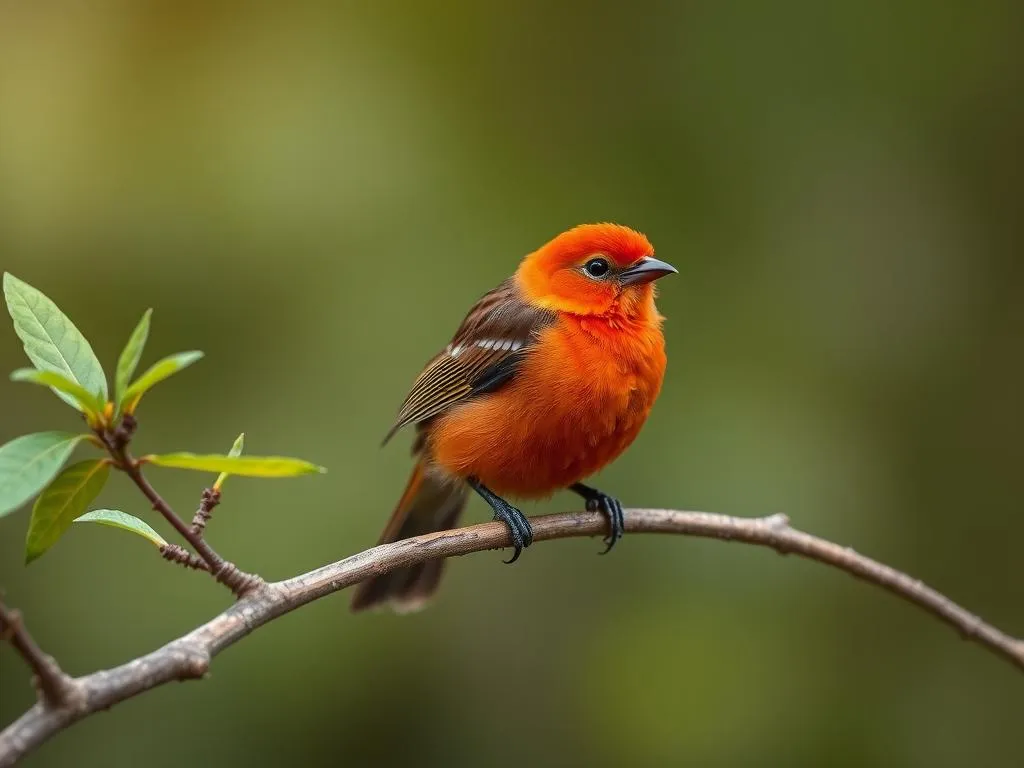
429	504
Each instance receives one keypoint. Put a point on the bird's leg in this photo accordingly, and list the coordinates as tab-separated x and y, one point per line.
607	505
518	526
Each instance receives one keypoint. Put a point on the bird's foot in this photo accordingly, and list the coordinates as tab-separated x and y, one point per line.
608	506
518	524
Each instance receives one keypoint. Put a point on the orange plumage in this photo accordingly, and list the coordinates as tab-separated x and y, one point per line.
550	377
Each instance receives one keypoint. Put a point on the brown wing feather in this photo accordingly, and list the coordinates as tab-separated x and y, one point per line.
496	333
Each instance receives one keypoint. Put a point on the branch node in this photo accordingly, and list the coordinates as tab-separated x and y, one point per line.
238	581
178	554
195	665
208	502
124	431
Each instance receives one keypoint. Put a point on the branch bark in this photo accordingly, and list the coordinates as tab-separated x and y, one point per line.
189	656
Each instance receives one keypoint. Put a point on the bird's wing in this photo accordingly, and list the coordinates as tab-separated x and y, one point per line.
484	354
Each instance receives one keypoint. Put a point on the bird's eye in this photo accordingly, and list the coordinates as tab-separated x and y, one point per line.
596	267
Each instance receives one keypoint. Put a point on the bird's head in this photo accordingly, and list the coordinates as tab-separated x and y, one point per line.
593	269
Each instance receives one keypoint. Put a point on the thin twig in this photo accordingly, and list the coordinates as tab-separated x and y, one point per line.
238	581
207	503
55	688
180	555
189	656
134	471
116	442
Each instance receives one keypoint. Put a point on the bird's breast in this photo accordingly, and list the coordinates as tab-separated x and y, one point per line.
578	400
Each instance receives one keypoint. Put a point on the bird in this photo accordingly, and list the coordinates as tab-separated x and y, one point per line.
548	379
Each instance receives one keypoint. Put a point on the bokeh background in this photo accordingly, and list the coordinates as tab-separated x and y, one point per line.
314	194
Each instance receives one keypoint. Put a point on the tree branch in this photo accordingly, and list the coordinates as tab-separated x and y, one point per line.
189	656
55	688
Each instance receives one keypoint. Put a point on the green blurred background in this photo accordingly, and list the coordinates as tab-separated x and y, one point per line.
315	193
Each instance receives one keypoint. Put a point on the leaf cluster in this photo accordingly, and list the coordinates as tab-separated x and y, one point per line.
35	465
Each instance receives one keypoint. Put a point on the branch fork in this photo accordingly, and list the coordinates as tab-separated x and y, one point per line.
54	688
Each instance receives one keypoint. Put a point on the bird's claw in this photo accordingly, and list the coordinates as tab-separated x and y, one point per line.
519	529
611	508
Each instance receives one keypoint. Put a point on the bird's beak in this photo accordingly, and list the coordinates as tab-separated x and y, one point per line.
646	270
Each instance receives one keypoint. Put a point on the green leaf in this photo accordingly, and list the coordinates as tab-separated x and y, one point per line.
248	466
236	450
29	462
160	371
63	500
78	396
52	342
130	356
117	519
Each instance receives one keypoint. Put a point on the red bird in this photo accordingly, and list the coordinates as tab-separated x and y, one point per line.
549	378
